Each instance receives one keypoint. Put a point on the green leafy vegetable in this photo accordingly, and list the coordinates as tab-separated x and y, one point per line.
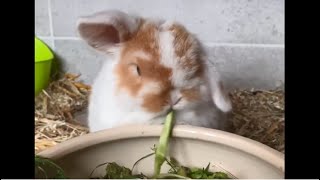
114	171
204	173
42	163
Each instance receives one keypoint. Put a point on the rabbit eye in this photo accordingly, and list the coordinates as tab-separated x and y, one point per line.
138	70
135	69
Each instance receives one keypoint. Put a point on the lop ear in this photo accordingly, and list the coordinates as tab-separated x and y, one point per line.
218	93
104	30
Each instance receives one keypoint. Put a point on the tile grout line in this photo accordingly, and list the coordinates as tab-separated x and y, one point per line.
244	45
51	25
207	44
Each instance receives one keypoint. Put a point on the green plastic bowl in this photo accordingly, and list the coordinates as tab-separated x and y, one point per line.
43	61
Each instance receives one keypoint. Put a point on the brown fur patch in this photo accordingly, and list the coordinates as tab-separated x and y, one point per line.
155	103
187	49
182	40
144	40
191	94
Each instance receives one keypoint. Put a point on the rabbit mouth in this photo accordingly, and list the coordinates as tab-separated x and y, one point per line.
166	111
176	102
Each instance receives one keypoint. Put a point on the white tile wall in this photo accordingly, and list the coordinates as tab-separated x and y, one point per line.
245	38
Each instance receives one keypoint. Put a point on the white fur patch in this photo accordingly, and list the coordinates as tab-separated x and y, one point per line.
166	25
169	59
219	97
222	102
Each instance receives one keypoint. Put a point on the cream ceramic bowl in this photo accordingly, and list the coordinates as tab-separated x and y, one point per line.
191	146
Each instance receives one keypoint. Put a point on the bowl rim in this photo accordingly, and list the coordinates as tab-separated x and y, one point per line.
255	148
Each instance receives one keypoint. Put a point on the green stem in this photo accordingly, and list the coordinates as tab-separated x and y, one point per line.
140	160
171	165
161	150
102	164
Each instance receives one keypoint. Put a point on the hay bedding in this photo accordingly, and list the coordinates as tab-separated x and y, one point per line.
54	111
258	115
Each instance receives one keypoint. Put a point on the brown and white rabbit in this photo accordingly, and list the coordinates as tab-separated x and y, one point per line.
155	66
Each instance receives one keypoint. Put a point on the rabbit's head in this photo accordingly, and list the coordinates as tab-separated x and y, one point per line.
159	64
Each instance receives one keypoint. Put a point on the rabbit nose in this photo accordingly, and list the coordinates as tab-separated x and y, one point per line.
175	97
174	102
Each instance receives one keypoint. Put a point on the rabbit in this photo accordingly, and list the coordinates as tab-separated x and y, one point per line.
152	67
